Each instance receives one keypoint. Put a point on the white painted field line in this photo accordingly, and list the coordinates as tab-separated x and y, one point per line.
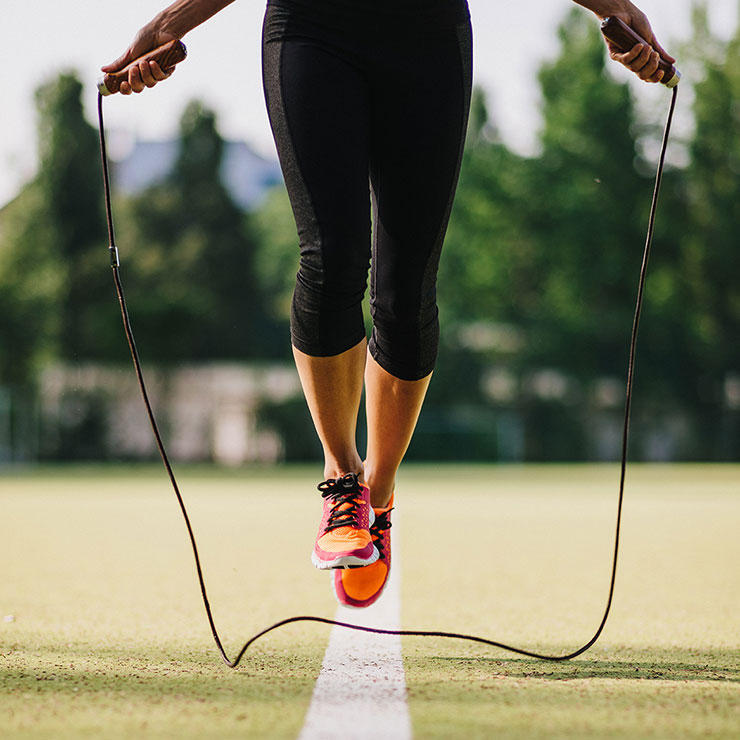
361	690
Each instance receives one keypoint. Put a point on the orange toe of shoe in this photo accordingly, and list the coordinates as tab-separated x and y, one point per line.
361	587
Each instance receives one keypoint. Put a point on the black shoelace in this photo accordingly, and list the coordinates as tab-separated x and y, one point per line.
346	495
381	524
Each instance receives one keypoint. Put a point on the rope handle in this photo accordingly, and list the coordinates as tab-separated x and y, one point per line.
166	56
624	37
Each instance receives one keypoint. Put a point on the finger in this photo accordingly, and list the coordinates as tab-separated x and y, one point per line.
651	66
134	79
158	73
125	89
624	57
146	74
633	59
642	59
657	77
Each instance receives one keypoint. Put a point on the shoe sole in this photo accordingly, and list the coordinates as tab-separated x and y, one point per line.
345	561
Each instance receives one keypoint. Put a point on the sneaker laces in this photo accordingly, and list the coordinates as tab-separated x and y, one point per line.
346	495
381	524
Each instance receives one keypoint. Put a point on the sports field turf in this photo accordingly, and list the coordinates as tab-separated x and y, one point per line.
109	638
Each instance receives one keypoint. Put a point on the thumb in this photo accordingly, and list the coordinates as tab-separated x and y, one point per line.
125	59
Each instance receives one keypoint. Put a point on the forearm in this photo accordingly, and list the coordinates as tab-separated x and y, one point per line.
184	15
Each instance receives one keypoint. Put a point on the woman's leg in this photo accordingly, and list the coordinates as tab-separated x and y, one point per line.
393	407
318	103
419	122
417	139
333	387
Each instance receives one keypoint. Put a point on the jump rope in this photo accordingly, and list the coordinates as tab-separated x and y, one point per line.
173	52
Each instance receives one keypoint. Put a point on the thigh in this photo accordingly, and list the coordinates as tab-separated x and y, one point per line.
318	104
418	132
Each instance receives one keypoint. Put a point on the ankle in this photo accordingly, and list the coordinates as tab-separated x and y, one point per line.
381	488
336	468
380	499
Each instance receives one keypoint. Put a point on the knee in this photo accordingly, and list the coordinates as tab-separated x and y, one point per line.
406	346
326	312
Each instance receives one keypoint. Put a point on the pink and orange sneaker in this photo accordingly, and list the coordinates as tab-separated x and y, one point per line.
361	587
344	539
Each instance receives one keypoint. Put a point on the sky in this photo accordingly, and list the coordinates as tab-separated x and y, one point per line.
38	38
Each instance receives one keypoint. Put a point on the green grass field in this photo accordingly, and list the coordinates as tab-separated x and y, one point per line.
109	638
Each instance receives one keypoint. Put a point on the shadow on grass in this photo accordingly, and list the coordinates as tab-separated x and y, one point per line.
269	671
675	664
198	674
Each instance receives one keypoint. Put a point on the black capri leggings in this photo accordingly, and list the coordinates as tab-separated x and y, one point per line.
368	103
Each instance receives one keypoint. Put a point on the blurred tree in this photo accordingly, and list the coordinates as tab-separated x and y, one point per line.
70	216
52	256
543	254
488	245
277	253
586	208
711	264
550	246
53	273
194	291
30	285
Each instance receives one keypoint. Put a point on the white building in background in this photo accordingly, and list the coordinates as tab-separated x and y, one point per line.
205	412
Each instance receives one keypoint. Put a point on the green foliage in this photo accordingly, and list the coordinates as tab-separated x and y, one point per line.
52	257
714	176
71	214
69	174
485	265
30	286
542	255
194	292
539	264
710	244
587	200
276	261
551	244
537	278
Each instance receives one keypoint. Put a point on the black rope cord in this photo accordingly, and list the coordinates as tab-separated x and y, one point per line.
233	662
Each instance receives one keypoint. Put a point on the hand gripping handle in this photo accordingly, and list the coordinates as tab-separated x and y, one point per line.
620	34
167	56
